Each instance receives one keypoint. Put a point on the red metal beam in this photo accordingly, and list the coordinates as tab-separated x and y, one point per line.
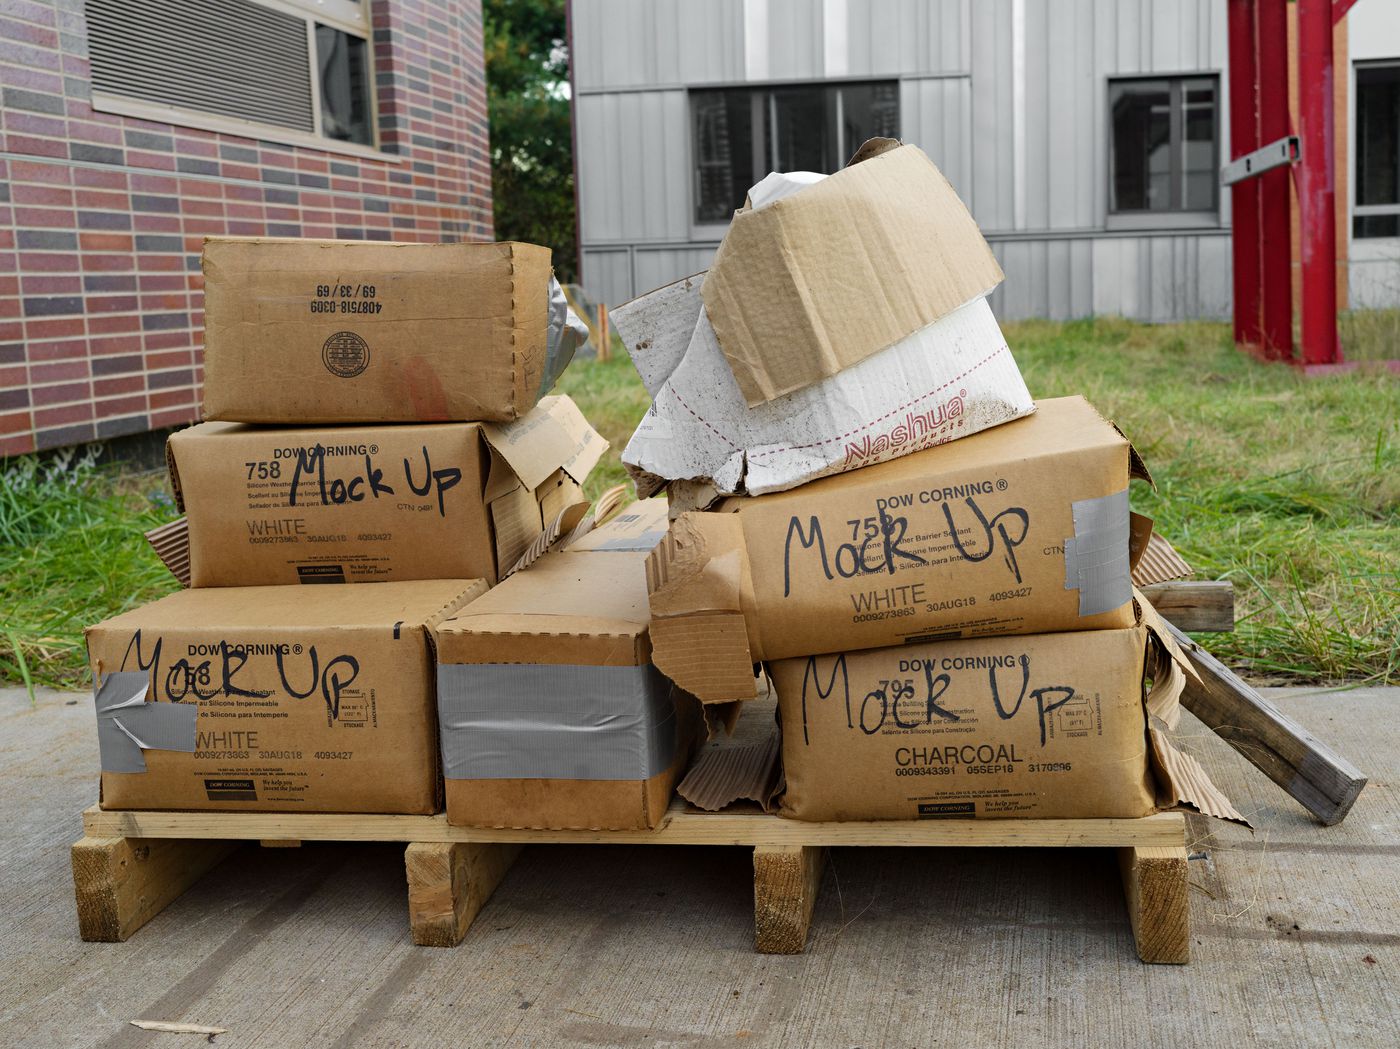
1317	190
1340	9
1244	196
1275	204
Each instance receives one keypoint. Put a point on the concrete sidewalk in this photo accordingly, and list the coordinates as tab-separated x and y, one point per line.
1296	933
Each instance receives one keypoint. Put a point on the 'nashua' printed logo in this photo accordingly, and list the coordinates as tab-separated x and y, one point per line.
920	430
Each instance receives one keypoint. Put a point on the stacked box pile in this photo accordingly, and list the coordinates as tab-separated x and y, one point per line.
934	570
377	416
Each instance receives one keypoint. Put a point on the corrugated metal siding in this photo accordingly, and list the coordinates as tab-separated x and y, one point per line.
634	174
959	86
936	115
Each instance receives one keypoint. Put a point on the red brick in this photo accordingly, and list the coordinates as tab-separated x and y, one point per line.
45	194
133	382
38	147
58	350
165	340
115	344
111	303
12	423
53	328
139	158
65	416
59	393
53	285
115	408
174	358
45	218
98	178
121	322
106	241
108	263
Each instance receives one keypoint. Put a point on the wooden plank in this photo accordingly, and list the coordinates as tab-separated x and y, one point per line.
1322	781
1195	606
678	828
448	884
786	879
122	883
1154	882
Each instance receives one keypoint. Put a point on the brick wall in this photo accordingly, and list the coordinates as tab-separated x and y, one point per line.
102	216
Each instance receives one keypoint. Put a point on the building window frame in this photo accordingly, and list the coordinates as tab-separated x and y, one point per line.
1362	211
762	99
351	17
1172	218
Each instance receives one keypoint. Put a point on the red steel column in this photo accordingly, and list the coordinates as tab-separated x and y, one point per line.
1317	190
1275	205
1244	196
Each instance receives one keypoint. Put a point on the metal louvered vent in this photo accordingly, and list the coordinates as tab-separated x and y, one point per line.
230	57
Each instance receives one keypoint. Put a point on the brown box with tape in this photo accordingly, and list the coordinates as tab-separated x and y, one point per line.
274	699
551	713
327	331
1037	727
375	503
1020	529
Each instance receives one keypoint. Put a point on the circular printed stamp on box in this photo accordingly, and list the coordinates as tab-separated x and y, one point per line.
345	354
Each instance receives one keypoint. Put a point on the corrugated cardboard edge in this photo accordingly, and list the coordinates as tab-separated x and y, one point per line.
570	525
697	577
723	775
171	542
1160	563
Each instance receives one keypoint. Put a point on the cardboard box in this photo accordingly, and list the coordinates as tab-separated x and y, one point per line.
1021	529
822	279
944	381
1050	726
550	712
273	699
324	331
375	503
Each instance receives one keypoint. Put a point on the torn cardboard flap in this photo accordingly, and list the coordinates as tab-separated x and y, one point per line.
744	765
822	279
945	381
555	435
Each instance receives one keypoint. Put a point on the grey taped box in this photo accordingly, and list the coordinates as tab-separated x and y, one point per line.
1096	556
535	721
128	725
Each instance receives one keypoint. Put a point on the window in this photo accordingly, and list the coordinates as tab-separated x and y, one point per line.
1164	157
741	134
1377	144
298	66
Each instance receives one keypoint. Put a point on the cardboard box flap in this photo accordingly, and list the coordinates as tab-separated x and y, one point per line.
1182	782
697	579
554	435
819	280
657	327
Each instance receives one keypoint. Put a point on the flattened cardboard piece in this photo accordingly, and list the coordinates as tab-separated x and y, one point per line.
1048	726
372	503
580	610
820	280
945	381
308	699
327	331
966	540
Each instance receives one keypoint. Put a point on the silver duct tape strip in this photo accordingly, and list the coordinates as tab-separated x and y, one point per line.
528	721
1096	556
566	334
128	725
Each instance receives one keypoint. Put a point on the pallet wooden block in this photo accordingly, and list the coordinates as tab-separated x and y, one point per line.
452	871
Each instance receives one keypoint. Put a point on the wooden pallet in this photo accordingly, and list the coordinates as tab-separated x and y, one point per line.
130	865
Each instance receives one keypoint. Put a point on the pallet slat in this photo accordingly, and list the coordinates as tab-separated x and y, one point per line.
679	828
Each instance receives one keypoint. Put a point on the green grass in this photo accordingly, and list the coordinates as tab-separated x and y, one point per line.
71	554
1289	487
